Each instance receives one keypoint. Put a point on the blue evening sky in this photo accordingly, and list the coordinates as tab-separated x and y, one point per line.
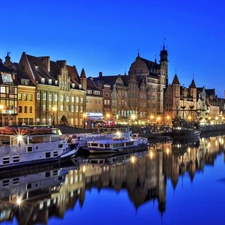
104	35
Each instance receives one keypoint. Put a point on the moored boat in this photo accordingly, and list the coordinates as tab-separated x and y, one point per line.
24	146
118	143
183	129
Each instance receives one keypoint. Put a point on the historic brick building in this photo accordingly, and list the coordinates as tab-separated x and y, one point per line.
141	92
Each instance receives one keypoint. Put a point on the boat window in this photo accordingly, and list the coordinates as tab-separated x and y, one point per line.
47	155
101	145
94	144
47	174
29	149
60	146
5	183
5	160
15	181
16	158
55	154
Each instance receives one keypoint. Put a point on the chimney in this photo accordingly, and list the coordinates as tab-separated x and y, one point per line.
46	62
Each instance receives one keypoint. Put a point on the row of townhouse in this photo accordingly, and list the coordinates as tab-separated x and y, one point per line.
37	90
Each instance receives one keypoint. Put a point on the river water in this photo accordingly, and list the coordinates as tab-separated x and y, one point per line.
170	183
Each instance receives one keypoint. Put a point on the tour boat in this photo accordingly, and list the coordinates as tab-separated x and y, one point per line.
107	133
29	146
118	143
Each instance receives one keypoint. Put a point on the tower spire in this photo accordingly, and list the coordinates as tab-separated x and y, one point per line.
164	43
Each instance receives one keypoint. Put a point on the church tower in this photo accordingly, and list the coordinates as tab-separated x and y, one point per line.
164	66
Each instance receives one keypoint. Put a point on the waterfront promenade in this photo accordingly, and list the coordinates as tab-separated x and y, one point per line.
207	130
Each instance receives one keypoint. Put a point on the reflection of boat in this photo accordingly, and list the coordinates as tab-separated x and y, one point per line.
24	146
111	159
28	196
118	143
179	147
184	130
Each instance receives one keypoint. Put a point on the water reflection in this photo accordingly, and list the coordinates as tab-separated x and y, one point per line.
34	197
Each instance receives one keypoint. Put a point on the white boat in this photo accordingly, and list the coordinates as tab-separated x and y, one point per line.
24	146
118	143
104	134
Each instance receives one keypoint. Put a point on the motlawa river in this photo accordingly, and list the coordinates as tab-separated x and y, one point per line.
170	183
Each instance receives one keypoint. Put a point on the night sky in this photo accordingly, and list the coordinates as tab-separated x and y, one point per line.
100	35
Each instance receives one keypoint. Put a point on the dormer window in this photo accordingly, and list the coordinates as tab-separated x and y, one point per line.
42	80
56	82
80	86
50	81
73	85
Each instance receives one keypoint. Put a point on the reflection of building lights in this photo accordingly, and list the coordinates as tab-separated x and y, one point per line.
208	144
151	154
167	151
18	201
189	149
216	143
84	169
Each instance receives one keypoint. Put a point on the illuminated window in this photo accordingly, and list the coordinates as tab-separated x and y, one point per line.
38	96
2	89
30	97
25	97
19	96
55	98
44	96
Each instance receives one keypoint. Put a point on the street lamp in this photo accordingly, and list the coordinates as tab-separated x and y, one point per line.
133	117
54	109
107	118
84	119
1	109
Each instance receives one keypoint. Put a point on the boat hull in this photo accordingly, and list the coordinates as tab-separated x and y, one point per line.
116	150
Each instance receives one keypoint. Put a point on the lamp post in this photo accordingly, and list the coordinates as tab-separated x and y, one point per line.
84	120
107	118
133	117
54	109
1	109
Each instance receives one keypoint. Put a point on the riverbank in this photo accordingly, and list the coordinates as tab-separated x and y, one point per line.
206	131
